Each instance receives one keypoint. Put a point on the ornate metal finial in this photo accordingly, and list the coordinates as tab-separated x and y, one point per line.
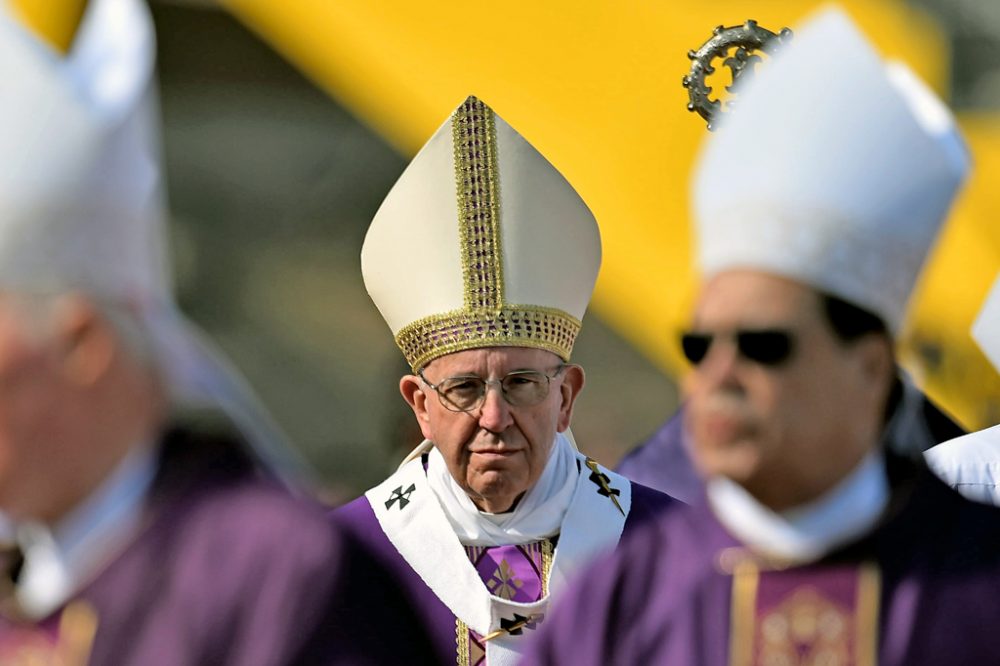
747	38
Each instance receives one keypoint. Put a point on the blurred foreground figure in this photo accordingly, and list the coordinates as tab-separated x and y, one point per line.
664	461
816	203
971	464
133	539
482	260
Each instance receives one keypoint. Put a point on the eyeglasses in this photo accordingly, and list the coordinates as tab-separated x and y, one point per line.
770	347
521	388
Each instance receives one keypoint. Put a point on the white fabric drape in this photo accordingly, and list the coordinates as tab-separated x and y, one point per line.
538	515
807	532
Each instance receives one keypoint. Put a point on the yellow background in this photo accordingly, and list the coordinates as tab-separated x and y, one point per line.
596	87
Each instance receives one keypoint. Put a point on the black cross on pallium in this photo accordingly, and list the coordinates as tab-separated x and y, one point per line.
514	627
400	495
603	483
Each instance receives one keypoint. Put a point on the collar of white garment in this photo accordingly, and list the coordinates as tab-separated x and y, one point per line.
538	515
806	532
60	559
422	529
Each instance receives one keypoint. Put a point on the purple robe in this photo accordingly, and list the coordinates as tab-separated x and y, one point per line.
358	519
920	588
664	460
229	569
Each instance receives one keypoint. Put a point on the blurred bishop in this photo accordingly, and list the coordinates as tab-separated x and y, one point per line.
816	202
132	535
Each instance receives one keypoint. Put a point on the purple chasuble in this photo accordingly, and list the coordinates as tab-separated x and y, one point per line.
664	463
226	569
919	589
824	614
513	572
452	643
517	573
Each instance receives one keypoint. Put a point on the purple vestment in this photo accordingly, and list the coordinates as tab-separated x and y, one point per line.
919	589
358	519
663	462
229	569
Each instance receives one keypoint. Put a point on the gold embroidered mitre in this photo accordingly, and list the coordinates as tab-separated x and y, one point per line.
481	243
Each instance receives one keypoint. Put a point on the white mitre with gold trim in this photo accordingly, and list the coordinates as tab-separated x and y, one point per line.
833	169
481	243
986	328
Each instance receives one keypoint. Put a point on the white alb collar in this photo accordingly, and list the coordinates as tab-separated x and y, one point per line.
538	515
59	559
806	532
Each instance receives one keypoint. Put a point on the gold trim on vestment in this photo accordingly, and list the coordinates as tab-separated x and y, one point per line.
869	595
77	630
743	612
462	642
547	554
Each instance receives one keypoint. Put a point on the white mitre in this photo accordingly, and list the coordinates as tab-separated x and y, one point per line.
481	243
834	170
986	328
81	198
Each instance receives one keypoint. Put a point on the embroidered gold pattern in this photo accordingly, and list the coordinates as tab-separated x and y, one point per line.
504	583
485	320
474	139
462	642
806	628
511	325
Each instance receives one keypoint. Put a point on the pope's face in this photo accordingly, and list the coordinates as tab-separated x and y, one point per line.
786	431
497	451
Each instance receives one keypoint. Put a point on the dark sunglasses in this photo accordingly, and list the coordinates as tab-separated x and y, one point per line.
771	347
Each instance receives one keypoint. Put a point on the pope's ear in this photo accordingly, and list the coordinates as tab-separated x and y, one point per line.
572	384
415	393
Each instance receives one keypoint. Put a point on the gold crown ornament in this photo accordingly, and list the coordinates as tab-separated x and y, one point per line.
746	39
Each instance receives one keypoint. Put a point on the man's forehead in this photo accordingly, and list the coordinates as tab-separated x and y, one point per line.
752	297
484	360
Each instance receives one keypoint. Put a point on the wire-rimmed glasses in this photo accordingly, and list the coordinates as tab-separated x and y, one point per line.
520	388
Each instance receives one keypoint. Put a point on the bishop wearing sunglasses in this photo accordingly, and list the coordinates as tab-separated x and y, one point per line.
812	542
482	260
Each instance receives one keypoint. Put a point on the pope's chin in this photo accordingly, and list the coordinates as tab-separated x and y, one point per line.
494	470
495	484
